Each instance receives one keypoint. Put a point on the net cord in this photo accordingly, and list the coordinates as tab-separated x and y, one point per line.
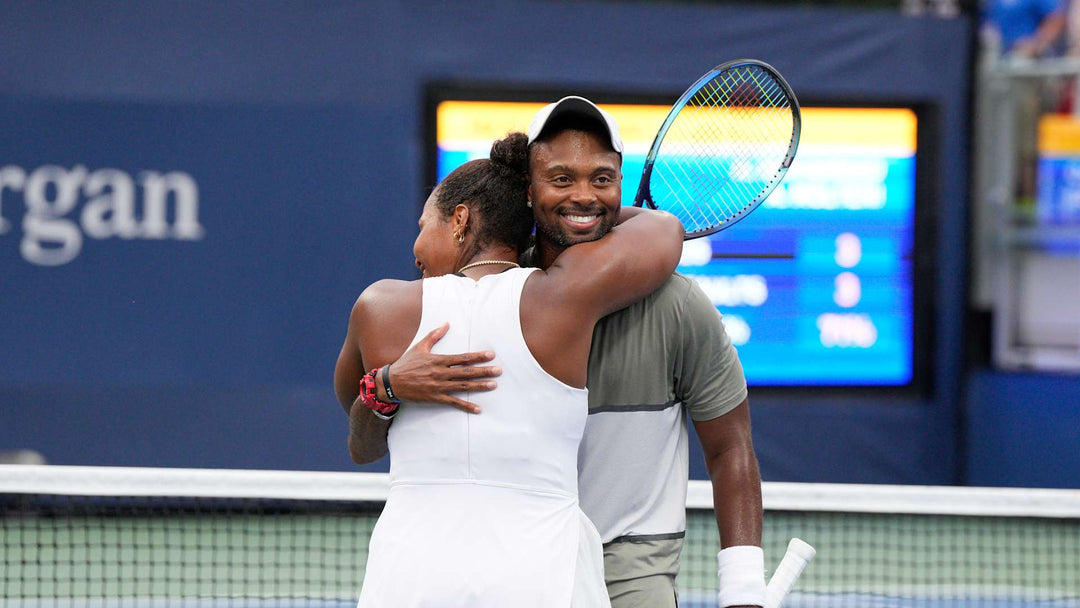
211	483
373	487
907	499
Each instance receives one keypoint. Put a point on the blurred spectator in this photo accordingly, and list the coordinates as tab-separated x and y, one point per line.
1017	30
1072	28
1026	28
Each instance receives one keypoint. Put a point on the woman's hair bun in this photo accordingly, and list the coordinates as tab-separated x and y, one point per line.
512	151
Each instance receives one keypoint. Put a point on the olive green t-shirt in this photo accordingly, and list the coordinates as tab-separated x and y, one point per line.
650	362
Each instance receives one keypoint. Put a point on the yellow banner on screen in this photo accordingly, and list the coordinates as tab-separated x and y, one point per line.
1059	135
465	124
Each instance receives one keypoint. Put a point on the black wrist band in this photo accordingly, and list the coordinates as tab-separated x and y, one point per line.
386	384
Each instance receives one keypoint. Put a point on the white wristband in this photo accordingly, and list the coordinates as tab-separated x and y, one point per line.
742	576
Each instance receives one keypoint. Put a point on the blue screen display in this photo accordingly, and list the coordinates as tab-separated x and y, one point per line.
816	287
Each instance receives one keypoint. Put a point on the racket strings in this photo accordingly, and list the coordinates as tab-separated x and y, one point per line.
740	167
710	95
725	149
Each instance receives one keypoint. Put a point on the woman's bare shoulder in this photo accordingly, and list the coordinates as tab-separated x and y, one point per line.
385	318
387	295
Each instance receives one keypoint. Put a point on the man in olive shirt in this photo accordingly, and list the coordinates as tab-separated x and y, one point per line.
650	364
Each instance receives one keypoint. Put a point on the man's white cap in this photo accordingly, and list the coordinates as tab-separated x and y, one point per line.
575	105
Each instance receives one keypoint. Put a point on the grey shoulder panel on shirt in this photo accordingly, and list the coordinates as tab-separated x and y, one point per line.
668	348
632	358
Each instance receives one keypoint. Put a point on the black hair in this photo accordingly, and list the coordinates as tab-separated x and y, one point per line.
496	189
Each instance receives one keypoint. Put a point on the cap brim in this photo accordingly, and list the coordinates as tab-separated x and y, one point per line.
575	105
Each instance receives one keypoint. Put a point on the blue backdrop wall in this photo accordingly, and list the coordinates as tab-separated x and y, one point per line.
193	194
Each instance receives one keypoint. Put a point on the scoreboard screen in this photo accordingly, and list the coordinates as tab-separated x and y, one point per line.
817	286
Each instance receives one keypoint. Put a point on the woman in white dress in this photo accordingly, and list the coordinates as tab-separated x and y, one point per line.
482	511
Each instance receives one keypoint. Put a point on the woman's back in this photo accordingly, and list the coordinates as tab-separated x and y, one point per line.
508	529
531	425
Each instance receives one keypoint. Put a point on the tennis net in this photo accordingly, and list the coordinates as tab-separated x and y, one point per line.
106	537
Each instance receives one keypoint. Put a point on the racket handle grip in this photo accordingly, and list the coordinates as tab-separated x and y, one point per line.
798	555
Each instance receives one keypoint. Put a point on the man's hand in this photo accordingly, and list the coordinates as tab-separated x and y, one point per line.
419	375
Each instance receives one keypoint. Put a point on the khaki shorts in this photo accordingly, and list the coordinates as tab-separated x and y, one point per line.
641	573
657	591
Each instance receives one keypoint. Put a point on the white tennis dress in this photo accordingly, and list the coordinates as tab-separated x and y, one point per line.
483	509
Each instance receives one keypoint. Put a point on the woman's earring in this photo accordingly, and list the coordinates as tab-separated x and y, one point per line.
461	237
528	203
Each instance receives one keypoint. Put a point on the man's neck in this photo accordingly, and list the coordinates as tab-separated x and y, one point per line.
546	252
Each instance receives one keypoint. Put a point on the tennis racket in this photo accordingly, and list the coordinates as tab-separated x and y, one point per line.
798	555
725	144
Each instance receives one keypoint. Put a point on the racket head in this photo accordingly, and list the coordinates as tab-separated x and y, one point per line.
725	145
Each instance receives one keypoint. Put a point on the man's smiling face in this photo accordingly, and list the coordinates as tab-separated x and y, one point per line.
575	187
